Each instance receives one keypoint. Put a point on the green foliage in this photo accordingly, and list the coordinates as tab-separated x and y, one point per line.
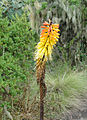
17	42
12	7
44	5
75	2
30	1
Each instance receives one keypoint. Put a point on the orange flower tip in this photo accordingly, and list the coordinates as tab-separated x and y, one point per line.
44	27
58	25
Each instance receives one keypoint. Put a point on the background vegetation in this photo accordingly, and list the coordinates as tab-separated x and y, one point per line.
66	75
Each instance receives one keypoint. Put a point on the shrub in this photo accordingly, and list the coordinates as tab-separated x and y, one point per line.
17	42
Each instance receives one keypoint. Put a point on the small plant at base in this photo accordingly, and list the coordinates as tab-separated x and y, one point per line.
49	37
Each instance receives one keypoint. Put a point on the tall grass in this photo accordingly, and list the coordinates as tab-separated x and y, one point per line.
66	89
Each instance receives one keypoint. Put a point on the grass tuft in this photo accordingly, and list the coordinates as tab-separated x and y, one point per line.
66	89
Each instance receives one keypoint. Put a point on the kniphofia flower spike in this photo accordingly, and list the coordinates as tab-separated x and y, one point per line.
48	38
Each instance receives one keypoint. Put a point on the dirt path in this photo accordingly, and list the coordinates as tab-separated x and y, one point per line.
83	115
79	113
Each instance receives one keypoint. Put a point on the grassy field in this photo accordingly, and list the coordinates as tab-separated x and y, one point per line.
66	91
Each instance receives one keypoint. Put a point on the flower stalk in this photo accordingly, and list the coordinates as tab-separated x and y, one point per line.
48	38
